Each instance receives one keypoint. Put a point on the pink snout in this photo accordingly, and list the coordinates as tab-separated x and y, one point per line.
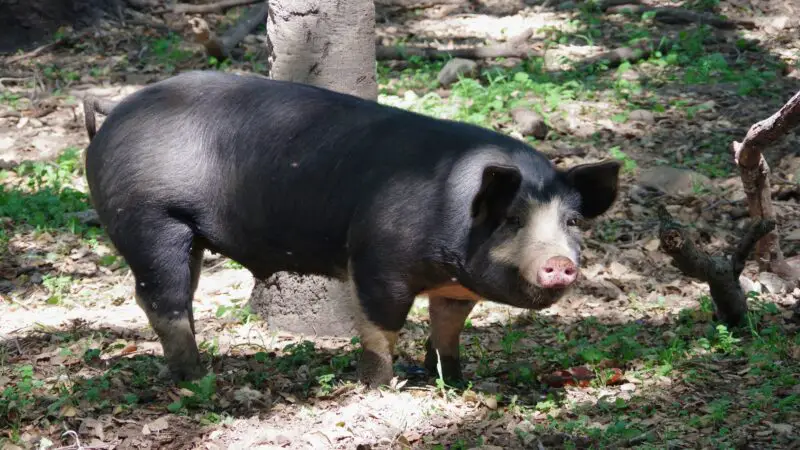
557	272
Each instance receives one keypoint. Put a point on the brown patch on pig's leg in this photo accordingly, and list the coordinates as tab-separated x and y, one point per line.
375	365
378	340
447	317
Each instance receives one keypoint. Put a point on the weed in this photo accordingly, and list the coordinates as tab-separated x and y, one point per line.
57	286
240	313
628	163
200	394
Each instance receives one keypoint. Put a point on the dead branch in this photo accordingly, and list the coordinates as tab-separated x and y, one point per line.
515	47
606	4
614	58
754	172
218	7
411	4
221	47
681	16
143	4
721	274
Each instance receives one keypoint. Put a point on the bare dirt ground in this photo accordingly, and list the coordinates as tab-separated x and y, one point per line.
77	355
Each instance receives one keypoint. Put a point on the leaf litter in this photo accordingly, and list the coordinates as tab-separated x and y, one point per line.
630	359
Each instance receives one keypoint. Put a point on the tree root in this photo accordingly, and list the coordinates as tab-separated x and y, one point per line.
721	273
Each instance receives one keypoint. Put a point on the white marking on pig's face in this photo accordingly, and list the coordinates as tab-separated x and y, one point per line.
546	231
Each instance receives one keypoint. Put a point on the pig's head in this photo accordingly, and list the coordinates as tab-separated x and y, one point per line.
525	242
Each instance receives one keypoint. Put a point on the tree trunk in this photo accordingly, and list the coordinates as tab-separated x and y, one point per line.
325	43
330	44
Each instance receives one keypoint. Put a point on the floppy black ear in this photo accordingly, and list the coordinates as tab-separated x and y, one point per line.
499	186
597	183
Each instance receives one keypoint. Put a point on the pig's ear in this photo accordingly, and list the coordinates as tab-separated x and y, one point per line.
499	186
597	184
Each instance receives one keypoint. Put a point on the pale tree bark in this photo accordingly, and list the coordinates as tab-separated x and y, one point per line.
328	43
331	44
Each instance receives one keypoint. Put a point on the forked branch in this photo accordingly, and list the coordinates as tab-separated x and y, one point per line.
721	273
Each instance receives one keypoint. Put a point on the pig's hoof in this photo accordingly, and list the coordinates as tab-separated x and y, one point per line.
187	373
375	369
451	367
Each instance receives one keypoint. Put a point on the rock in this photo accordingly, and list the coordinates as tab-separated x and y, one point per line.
642	116
673	181
88	217
772	283
794	235
311	305
630	75
603	289
455	68
748	285
529	123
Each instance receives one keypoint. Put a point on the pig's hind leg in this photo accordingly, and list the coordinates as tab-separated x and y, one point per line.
165	260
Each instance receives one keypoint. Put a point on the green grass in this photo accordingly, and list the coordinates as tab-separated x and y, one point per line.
45	198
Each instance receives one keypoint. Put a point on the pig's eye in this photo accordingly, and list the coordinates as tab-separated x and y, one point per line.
514	221
572	222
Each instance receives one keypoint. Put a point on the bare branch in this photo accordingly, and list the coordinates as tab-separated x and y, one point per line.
754	171
721	273
680	16
515	47
767	131
218	7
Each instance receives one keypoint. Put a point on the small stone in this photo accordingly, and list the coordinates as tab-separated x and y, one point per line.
642	116
673	181
652	245
455	68
529	123
628	387
490	402
772	283
747	284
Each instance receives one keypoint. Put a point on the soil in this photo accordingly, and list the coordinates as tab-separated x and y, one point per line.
627	282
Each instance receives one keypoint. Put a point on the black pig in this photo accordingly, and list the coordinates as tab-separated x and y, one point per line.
282	176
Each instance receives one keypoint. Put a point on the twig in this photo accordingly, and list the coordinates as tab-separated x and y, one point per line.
218	7
721	273
221	47
38	50
515	47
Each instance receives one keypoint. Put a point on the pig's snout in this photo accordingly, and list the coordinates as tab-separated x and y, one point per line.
557	272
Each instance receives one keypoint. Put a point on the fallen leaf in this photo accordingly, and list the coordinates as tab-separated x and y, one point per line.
288	397
783	428
130	348
159	424
68	410
490	402
576	376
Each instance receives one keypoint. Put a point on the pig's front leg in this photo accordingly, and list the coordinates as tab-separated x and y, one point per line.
382	302
447	316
